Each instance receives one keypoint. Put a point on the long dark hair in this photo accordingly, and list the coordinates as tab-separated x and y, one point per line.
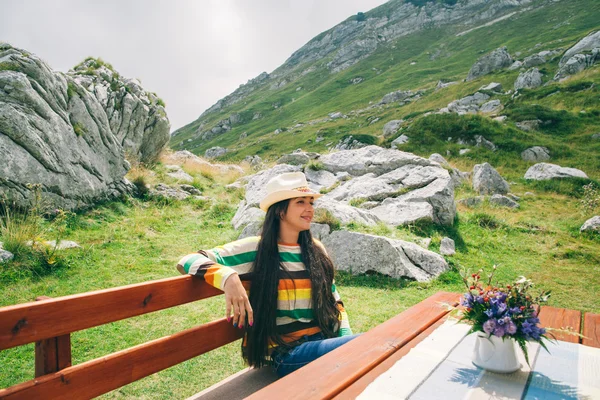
266	272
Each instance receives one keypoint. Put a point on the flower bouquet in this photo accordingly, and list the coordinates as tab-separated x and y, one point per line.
500	313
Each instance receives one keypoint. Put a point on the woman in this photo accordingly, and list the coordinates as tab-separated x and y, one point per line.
293	314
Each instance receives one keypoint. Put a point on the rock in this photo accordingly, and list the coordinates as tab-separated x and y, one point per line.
596	136
588	43
516	65
186	157
343	176
69	132
501	118
491	107
442	85
400	140
345	213
493	61
190	189
447	247
319	139
319	231
244	135
398	96
480	141
5	256
472	201
277	131
374	120
424	242
530	125
166	192
320	178
251	229
514	196
300	158
336	115
361	253
181	175
463	151
591	225
62	244
503	201
392	127
370	159
536	153
533	60
486	180
544	171
438	158
246	214
349	143
468	104
529	79
368	205
529	194
492	87
215	152
577	63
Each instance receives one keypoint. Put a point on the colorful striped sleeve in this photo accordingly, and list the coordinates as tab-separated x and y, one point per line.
218	264
200	264
345	329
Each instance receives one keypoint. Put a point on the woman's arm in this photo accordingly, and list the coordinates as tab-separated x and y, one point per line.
345	329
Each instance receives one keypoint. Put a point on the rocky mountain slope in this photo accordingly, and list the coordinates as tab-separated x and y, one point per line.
69	133
405	59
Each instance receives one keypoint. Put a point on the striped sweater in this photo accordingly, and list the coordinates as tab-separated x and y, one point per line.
294	306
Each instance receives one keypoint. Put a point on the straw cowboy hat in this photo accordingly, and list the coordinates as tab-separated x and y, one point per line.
286	186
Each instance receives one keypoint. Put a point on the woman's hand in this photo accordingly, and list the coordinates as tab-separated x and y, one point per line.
237	301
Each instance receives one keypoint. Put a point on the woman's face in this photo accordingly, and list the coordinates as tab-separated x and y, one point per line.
299	214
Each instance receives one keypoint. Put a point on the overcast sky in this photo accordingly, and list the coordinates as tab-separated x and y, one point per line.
190	52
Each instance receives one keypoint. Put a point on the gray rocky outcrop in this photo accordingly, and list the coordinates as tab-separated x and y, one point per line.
400	140
360	253
296	158
492	87
320	179
536	154
503	201
544	171
578	63
215	152
529	125
472	201
349	143
68	133
346	213
529	79
400	96
490	62
469	104
591	225
587	44
447	247
486	180
491	107
392	127
167	192
246	214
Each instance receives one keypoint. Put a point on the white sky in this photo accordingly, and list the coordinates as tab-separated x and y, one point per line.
190	52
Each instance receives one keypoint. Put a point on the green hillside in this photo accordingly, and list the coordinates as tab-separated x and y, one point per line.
418	62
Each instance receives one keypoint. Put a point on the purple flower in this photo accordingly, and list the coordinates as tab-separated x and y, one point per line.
467	300
489	326
499	331
515	310
480	299
501	308
511	328
500	321
489	313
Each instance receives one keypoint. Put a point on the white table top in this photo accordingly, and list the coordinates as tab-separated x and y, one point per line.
440	367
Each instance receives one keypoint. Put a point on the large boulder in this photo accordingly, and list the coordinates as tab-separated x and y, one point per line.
68	133
215	152
591	225
529	79
360	253
490	62
346	213
588	43
468	104
536	153
578	63
392	127
486	180
545	171
299	158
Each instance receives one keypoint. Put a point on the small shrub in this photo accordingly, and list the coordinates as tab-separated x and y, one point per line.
357	202
486	221
590	199
9	66
71	90
329	189
79	129
315	165
160	102
556	122
221	212
323	216
141	188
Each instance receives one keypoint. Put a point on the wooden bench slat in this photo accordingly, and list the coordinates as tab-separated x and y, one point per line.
360	385
561	318
591	330
327	376
35	321
95	377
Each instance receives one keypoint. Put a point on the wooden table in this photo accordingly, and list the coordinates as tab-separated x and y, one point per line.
346	372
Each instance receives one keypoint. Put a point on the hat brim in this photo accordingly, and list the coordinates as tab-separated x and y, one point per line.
280	195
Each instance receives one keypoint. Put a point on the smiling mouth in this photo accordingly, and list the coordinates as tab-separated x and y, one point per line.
307	218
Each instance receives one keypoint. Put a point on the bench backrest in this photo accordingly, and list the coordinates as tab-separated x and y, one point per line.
49	323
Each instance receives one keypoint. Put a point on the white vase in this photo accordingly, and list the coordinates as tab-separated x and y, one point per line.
495	354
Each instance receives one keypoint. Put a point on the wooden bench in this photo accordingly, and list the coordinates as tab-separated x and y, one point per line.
49	323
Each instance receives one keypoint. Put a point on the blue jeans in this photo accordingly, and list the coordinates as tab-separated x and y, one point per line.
314	347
